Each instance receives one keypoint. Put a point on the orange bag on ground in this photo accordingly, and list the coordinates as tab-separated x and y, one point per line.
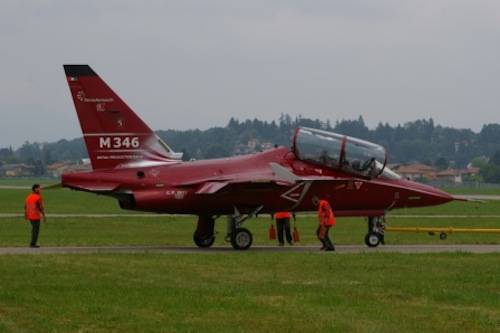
296	235
272	232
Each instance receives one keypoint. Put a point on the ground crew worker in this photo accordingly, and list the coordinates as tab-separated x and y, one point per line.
326	220
34	212
283	227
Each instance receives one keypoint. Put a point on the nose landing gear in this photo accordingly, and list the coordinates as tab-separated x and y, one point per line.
240	238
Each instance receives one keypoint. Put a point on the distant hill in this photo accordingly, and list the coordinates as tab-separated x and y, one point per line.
417	141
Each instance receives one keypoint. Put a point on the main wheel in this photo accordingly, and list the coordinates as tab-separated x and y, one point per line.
203	242
372	239
241	239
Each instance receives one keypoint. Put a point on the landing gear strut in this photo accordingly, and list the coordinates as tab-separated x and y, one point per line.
375	235
240	238
204	235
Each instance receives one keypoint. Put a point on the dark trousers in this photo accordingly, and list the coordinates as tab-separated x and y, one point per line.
327	243
35	230
283	226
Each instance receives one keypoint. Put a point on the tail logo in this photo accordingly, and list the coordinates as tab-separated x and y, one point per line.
100	107
80	95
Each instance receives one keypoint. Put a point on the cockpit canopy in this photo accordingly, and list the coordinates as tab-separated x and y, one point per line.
339	152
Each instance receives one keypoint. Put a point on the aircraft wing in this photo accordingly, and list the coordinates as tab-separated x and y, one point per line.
211	187
276	175
285	174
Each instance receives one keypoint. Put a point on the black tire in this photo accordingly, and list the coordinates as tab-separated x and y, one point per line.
443	236
372	239
203	242
241	239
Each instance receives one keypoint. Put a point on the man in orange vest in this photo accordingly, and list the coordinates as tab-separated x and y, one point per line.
34	212
283	227
326	221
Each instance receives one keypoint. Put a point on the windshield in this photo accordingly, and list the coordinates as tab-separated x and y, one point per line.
320	147
339	152
390	174
363	157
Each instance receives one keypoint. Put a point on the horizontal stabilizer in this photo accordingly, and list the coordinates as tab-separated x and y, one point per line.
92	187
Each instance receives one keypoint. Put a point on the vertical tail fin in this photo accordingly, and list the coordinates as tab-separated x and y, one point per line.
114	135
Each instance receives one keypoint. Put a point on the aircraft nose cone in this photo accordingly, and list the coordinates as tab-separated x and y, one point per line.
425	195
438	196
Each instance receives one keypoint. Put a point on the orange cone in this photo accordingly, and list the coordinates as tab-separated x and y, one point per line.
272	232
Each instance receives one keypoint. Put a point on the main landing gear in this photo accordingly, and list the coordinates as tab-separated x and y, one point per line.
204	235
240	238
375	235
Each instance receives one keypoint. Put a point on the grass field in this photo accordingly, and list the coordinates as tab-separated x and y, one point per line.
250	292
174	230
242	291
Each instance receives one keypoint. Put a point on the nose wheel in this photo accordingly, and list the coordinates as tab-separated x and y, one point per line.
372	239
241	239
375	235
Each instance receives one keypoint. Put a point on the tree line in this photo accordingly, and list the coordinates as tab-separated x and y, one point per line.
417	141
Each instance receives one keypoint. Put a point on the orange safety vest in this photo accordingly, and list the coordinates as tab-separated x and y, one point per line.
33	206
325	214
282	215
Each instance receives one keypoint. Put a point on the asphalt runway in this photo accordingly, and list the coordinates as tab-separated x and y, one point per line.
152	215
256	249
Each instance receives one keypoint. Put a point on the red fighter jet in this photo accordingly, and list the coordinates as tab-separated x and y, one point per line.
132	164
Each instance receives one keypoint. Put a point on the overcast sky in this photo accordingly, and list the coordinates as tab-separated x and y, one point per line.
194	64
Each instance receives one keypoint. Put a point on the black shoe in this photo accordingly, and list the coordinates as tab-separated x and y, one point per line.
330	249
35	246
